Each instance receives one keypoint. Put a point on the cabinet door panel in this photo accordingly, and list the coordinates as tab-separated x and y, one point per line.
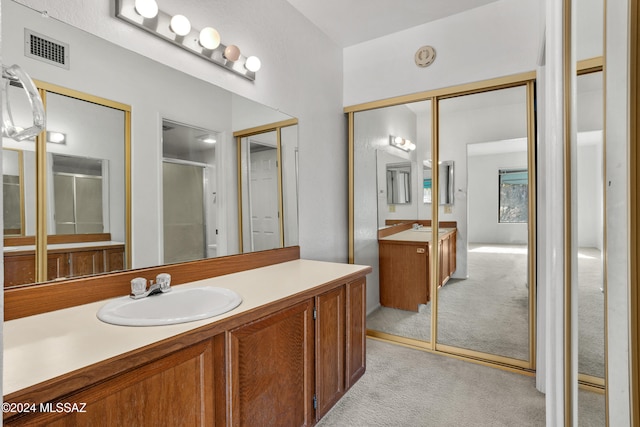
330	349
19	269
271	369
173	391
86	263
356	362
114	259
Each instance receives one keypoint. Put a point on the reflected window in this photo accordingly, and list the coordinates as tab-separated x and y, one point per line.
514	196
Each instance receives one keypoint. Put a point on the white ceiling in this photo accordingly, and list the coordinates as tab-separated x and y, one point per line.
349	22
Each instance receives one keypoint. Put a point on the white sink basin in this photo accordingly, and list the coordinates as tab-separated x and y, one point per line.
176	306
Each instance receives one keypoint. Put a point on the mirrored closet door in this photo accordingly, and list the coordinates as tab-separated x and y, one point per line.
392	215
467	279
485	307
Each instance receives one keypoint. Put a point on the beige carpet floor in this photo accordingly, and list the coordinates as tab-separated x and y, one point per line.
407	387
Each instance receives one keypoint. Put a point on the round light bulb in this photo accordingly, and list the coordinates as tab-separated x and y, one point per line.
253	63
232	52
146	8
398	140
180	25
209	38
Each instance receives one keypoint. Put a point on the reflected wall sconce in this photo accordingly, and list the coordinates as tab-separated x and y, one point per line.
401	143
177	29
56	137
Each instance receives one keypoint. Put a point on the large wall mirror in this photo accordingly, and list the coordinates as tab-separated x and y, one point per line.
86	181
480	302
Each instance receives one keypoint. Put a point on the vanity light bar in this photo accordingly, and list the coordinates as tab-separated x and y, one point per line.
401	143
160	25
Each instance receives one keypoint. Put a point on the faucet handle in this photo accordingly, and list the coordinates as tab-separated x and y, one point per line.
138	286
164	280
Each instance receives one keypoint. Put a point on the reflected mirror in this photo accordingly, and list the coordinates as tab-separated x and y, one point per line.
398	183
12	192
446	182
267	183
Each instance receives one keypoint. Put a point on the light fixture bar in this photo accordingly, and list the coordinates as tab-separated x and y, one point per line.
161	27
401	143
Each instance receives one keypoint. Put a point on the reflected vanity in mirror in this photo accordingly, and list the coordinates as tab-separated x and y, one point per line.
85	104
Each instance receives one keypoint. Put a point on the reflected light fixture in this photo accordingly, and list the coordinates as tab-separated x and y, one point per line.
177	29
401	143
207	138
180	25
56	137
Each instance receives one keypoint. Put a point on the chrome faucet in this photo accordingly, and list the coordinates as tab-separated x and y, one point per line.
139	286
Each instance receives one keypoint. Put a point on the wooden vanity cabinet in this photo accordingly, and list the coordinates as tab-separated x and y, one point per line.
356	331
284	365
340	342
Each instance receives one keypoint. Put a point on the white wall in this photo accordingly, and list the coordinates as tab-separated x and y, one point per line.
301	75
501	38
483	199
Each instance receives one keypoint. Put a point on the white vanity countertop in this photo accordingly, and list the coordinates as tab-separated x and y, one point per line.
419	235
63	246
41	347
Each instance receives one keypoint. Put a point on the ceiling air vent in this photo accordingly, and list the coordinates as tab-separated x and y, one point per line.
46	49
